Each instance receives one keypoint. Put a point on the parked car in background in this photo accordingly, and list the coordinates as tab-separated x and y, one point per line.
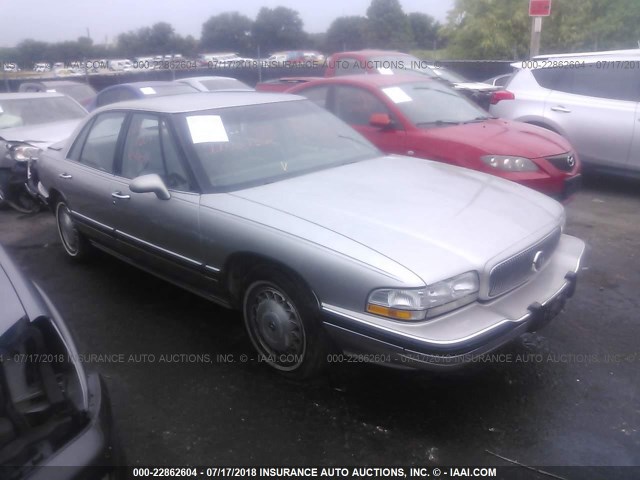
384	62
133	90
270	204
592	99
81	92
42	67
10	67
211	83
53	413
120	65
29	123
409	115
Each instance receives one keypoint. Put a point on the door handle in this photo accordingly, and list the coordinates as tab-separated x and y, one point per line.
560	108
120	196
66	176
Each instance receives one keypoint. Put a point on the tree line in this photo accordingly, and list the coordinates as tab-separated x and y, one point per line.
475	29
273	29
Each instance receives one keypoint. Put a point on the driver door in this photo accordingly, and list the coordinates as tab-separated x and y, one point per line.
161	235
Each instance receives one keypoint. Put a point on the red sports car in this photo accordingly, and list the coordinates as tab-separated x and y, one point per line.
425	118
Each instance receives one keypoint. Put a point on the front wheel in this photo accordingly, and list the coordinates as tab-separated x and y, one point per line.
283	323
74	243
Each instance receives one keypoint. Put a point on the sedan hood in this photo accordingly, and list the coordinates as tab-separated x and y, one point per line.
41	135
502	137
434	219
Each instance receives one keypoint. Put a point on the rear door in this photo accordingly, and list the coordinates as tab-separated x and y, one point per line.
595	109
85	176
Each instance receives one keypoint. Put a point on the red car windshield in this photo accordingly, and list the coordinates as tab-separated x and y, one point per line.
428	104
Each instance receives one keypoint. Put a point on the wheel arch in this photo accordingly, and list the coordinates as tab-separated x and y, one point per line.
240	265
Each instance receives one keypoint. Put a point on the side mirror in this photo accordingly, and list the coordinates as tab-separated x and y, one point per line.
380	120
151	183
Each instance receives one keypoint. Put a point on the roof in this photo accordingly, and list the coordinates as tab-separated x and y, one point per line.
373	80
607	53
53	82
193	102
29	95
150	83
369	53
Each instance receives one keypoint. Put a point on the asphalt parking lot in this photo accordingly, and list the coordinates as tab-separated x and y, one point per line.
186	391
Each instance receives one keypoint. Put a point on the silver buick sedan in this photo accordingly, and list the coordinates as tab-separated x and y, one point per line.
268	204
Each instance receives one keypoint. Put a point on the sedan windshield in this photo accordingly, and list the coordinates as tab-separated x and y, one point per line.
19	112
252	145
428	104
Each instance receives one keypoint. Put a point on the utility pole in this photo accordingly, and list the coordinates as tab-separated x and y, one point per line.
536	34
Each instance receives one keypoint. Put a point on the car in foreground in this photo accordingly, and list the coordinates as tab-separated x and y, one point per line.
81	92
214	83
591	99
30	122
133	90
53	414
423	118
271	205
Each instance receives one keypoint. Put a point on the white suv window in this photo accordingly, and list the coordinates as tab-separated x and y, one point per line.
592	80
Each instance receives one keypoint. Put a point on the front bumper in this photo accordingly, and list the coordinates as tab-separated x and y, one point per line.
461	336
90	454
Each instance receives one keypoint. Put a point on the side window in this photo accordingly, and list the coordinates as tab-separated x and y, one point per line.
616	83
346	66
76	148
150	148
591	81
355	105
100	147
317	95
549	77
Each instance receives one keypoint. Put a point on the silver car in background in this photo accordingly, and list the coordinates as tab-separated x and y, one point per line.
591	99
269	204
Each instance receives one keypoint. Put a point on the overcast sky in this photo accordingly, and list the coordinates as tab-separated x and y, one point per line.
58	20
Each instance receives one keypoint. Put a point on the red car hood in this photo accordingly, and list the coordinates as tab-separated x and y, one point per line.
503	137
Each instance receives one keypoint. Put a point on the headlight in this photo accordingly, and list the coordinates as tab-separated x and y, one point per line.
23	152
509	163
418	304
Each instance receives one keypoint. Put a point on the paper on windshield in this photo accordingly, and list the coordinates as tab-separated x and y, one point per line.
207	128
148	90
397	95
385	71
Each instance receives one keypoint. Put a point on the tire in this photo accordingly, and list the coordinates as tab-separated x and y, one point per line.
283	322
25	203
74	243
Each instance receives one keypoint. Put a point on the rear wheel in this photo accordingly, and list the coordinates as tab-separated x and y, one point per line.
74	243
283	323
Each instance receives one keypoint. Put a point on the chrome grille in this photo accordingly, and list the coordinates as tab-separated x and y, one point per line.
516	270
564	162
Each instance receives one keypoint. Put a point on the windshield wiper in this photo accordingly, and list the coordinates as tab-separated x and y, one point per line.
480	119
438	122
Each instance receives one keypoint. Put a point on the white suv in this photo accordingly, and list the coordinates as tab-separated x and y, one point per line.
592	99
